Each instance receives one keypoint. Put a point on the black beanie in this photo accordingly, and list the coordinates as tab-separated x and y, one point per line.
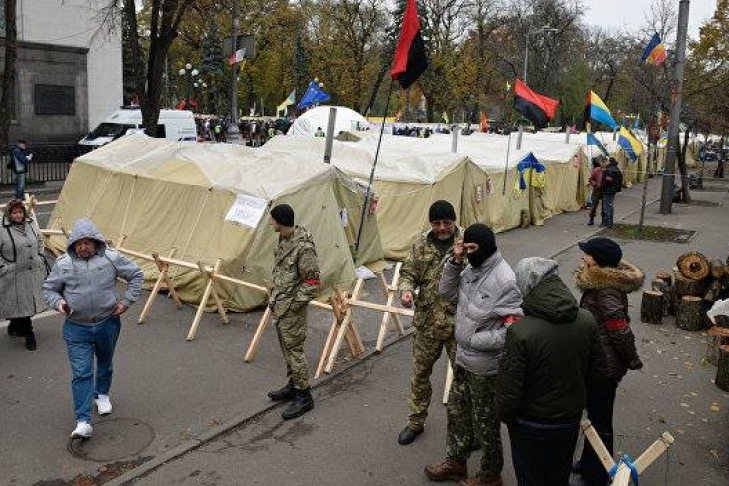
484	237
283	214
605	251
441	210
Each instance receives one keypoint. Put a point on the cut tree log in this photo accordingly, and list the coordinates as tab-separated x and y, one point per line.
664	288
722	369
717	269
693	265
717	336
689	314
665	275
651	307
685	286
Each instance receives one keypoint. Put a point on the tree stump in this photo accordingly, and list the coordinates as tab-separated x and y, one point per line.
651	307
684	286
717	269
665	276
689	314
664	288
693	265
722	368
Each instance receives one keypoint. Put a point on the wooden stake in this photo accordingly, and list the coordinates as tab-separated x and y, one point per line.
327	347
162	268
448	383
209	275
203	303
391	292
262	324
602	453
346	322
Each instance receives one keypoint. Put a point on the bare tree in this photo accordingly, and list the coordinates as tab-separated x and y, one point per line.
7	104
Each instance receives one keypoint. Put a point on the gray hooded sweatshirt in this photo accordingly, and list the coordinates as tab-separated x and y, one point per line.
89	286
486	296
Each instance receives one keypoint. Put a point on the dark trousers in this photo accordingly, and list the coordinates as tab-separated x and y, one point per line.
600	403
608	209
542	453
22	326
596	198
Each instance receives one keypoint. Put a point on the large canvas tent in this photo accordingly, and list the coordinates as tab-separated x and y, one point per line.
409	177
166	195
347	120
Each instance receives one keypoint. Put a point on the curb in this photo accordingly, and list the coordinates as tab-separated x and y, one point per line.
242	419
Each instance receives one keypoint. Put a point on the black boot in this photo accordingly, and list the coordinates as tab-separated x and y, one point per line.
288	392
302	404
591	222
30	341
13	328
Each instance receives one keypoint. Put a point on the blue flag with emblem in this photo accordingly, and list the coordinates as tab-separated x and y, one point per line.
314	95
531	172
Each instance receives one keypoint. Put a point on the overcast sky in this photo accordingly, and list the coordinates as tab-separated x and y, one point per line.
630	15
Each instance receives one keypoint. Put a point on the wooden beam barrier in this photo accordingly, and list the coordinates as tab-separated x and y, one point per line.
162	278
341	328
391	291
209	289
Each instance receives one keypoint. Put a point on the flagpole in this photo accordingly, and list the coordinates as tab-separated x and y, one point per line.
506	165
368	194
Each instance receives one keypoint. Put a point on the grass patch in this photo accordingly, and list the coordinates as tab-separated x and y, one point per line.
649	233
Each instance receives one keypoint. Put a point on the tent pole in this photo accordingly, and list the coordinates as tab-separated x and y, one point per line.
506	165
368	194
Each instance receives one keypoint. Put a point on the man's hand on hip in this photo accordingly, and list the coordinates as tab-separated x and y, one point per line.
119	309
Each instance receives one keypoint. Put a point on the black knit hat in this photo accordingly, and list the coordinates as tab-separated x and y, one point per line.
440	211
605	251
283	214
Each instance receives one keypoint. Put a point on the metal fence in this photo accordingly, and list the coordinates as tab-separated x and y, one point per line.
51	162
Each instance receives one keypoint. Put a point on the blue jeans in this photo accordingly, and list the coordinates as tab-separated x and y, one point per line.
20	186
82	344
608	208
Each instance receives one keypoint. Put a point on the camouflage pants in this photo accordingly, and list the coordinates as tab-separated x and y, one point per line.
472	422
291	330
426	351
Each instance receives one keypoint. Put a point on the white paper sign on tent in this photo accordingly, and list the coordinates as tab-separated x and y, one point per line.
247	210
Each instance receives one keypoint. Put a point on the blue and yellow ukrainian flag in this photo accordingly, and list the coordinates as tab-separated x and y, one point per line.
655	51
629	144
598	111
531	172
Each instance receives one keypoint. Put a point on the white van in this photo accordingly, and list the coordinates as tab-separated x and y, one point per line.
176	125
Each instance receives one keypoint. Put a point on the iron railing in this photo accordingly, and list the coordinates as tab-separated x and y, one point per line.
51	162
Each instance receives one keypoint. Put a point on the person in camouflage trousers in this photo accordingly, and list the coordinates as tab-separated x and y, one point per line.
295	283
434	316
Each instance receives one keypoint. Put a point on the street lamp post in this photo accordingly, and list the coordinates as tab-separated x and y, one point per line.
541	30
189	74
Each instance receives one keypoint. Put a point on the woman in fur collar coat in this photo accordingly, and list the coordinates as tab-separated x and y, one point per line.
605	280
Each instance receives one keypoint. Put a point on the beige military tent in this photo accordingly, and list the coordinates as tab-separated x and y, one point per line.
409	177
211	201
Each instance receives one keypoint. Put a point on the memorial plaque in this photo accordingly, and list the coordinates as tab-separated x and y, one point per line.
54	100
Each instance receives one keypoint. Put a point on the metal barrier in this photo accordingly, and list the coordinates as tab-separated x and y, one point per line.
51	162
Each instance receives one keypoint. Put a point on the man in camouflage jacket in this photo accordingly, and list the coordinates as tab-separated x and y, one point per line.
434	316
295	283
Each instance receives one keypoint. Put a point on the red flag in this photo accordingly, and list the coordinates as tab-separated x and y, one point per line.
536	108
410	60
181	105
484	122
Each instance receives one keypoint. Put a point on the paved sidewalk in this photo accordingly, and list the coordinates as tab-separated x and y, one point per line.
185	391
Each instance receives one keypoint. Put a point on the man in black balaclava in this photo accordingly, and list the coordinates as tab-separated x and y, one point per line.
479	243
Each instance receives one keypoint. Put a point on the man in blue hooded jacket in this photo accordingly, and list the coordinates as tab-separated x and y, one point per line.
82	286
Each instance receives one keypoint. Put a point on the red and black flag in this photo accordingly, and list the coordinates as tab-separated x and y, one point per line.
536	108
410	60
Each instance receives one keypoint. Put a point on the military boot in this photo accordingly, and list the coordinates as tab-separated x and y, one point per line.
447	470
301	404
288	392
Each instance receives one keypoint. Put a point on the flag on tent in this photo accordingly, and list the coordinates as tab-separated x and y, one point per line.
531	172
655	51
484	126
290	100
536	108
445	118
410	59
597	110
592	140
314	95
629	144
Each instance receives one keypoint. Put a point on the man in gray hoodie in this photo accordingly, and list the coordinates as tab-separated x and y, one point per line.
82	286
488	301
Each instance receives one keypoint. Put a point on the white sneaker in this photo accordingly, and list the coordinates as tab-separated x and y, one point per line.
103	405
83	430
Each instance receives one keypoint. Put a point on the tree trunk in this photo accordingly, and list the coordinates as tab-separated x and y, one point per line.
137	60
7	104
689	315
651	308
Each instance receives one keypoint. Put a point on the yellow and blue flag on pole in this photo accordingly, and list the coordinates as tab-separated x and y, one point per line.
290	100
531	172
629	144
592	140
598	111
655	51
